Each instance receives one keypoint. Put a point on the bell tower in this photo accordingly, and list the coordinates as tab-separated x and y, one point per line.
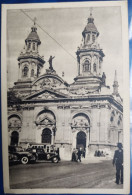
89	54
30	62
89	59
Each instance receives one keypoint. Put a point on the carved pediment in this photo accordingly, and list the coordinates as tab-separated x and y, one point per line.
14	122
46	94
80	121
45	121
51	81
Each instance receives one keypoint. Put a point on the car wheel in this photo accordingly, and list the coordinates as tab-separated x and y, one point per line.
55	160
24	160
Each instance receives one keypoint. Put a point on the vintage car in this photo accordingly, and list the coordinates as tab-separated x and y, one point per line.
41	154
18	154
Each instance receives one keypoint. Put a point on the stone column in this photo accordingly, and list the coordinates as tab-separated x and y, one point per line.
87	141
74	133
92	63
30	67
20	72
52	137
97	66
81	65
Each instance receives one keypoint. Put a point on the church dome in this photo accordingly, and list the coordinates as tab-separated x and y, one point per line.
33	36
90	27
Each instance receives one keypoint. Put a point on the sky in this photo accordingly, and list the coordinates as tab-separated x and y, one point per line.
65	25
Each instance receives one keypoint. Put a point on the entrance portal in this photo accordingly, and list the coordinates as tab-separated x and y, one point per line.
14	138
46	136
81	140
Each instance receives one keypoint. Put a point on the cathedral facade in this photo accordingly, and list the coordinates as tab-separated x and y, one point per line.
49	111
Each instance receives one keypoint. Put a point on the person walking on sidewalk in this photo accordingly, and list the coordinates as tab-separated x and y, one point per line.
118	162
74	155
79	154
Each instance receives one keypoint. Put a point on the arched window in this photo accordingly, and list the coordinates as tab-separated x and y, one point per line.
14	138
93	38
32	73
33	46
112	118
119	120
29	45
87	66
94	67
25	71
46	136
113	113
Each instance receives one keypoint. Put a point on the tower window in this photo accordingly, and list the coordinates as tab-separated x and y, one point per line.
25	71
29	45
112	118
86	66
94	67
33	46
32	73
93	38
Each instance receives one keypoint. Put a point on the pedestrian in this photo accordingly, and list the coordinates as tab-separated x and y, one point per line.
98	153
84	153
95	154
79	154
74	155
102	153
118	162
58	151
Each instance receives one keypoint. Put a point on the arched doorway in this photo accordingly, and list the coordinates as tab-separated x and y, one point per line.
81	131
45	119
46	136
14	138
81	140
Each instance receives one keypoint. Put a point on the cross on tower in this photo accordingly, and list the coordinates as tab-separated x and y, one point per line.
91	9
34	21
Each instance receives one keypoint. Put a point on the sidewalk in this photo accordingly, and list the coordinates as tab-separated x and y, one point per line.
93	159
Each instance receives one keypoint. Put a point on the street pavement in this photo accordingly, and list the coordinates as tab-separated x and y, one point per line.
92	173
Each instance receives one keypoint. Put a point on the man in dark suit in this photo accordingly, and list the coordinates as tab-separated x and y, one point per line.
118	161
79	154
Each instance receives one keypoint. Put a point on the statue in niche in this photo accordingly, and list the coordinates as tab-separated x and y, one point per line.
50	62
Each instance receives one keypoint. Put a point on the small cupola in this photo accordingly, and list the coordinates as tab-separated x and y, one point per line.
32	41
90	32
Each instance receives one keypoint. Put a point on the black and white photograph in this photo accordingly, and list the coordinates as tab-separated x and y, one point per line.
65	98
